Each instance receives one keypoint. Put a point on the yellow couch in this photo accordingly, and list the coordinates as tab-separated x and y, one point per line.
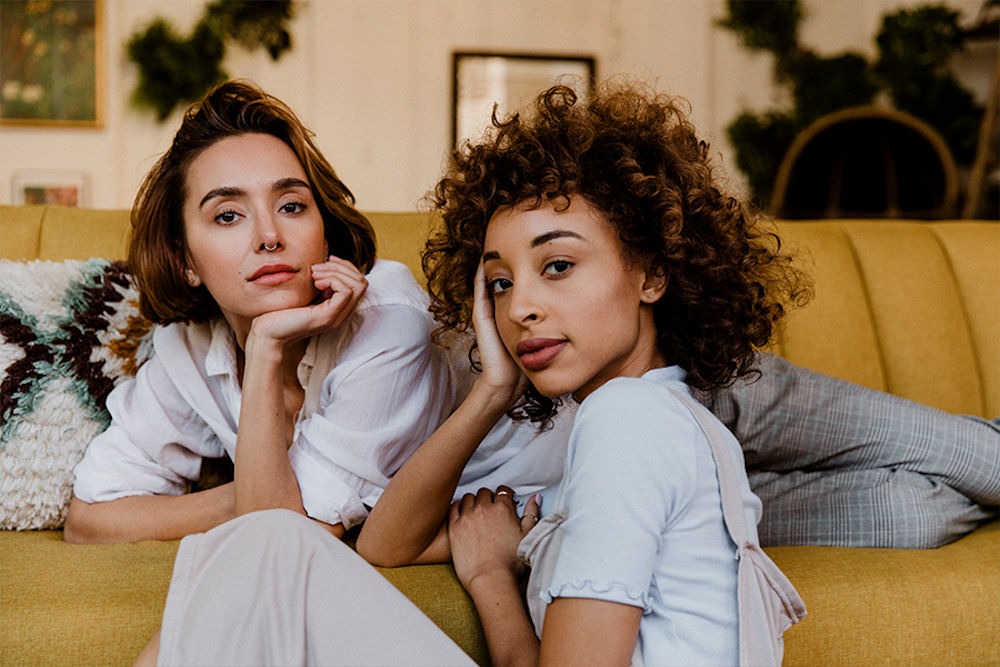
905	307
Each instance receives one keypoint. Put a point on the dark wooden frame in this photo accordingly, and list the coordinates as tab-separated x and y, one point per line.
577	70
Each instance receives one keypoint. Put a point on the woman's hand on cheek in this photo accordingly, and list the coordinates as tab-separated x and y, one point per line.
341	286
499	369
484	531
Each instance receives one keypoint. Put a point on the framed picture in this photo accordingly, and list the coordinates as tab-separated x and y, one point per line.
510	81
59	187
52	62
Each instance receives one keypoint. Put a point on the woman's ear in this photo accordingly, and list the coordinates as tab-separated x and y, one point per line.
653	287
191	278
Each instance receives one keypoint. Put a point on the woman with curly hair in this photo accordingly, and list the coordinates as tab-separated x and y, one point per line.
598	260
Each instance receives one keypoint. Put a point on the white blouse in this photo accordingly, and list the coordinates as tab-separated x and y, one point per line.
375	389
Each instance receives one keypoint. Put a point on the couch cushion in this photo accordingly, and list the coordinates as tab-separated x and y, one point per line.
79	233
904	307
79	605
401	237
21	228
896	606
69	331
973	254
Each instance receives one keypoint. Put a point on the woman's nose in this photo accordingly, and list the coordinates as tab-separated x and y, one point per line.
268	234
524	306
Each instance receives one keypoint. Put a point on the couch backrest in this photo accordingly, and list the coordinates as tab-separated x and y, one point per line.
912	308
58	232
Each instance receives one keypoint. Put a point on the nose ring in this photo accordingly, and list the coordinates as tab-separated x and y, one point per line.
271	248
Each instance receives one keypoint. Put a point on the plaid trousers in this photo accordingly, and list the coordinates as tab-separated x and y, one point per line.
839	464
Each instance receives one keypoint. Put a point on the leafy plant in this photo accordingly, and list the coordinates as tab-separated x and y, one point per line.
173	69
176	70
914	48
768	25
255	24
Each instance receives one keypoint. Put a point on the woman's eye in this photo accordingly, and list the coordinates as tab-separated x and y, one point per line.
227	217
500	285
557	267
293	207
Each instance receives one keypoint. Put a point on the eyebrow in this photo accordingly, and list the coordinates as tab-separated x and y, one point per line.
553	235
541	239
228	191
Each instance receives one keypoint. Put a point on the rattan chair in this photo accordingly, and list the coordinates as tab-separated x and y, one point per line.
867	162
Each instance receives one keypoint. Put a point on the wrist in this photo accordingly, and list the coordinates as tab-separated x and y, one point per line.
497	399
262	346
491	583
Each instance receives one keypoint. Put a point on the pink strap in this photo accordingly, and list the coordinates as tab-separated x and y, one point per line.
729	479
768	603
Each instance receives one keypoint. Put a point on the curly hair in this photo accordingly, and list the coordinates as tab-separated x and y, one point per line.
157	253
634	156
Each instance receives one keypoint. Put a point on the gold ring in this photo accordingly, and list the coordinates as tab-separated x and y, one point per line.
534	517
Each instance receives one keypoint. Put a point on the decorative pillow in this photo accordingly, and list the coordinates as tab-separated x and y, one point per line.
69	332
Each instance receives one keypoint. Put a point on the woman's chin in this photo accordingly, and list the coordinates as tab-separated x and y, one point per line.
552	389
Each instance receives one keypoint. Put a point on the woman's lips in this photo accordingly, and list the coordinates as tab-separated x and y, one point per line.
536	353
272	274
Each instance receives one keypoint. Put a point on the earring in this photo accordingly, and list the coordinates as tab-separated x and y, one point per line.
192	278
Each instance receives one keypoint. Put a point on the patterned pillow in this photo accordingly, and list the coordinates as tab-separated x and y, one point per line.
69	332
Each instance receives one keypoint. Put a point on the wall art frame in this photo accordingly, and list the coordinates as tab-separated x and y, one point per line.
52	63
50	187
481	79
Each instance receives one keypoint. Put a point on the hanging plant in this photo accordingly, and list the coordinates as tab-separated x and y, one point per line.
255	24
174	70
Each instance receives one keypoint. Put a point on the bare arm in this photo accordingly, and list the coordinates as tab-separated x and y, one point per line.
510	635
407	523
138	518
485	531
582	631
263	474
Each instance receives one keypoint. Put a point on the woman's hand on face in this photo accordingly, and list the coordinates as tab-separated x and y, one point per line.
341	286
484	531
499	369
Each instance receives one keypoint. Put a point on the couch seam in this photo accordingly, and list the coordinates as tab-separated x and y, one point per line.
964	307
869	308
41	230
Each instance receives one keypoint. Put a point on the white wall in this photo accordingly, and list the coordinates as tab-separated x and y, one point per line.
373	78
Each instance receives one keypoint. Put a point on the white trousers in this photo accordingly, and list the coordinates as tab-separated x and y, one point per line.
274	588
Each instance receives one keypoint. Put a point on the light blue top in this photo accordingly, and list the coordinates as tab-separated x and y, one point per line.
637	519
